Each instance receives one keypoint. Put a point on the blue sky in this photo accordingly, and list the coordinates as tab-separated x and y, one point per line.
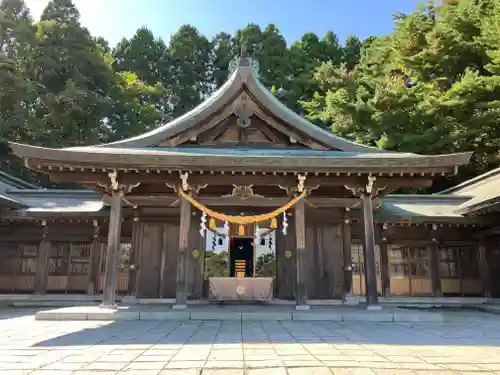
114	19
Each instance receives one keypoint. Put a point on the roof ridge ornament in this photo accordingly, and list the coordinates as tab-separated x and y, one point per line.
244	61
244	50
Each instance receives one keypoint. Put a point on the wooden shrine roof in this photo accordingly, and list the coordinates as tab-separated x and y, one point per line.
421	207
485	190
214	158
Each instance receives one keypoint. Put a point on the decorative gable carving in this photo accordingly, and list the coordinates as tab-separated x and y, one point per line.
243	123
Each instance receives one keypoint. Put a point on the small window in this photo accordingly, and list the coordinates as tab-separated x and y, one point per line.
398	265
357	259
448	267
28	250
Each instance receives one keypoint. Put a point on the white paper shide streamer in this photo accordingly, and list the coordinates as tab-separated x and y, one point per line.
203	224
285	224
257	235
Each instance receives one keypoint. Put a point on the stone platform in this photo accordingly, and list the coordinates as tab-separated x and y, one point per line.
238	313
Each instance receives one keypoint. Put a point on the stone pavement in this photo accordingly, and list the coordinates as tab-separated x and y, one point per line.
467	344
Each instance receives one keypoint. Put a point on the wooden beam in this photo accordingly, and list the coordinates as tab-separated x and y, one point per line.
286	130
227	179
346	244
42	266
187	135
434	268
369	253
384	262
94	267
214	133
112	251
300	234
185	222
270	133
216	179
217	201
485	270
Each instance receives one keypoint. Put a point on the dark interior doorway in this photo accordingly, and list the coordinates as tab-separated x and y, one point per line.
241	257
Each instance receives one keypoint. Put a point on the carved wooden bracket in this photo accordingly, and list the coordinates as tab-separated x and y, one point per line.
242	192
294	190
115	186
97	229
370	189
184	185
45	229
300	185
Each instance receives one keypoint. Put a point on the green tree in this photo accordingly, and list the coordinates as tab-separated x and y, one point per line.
143	55
216	263
133	108
189	79
431	86
222	52
352	52
266	265
17	90
304	57
73	75
16	87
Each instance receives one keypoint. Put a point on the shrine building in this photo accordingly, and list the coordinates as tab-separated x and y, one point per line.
241	199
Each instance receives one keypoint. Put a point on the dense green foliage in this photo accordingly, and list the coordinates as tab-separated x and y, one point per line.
431	86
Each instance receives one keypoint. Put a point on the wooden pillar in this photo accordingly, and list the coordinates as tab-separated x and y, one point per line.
42	263
112	250
369	254
163	261
384	260
346	244
95	262
434	268
185	222
485	270
134	258
300	234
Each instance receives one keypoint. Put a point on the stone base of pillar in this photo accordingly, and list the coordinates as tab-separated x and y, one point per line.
351	300
179	307
108	306
373	307
129	299
302	307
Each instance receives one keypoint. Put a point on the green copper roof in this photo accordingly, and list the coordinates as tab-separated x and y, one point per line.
484	191
420	206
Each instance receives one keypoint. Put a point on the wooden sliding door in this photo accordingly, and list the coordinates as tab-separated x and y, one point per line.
409	270
459	271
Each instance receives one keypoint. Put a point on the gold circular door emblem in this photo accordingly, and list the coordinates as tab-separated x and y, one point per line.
240	290
288	254
196	253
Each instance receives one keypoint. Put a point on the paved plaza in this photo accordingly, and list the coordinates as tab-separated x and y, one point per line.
467	343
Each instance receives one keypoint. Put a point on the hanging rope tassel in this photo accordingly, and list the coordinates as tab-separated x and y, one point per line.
274	223
212	224
241	230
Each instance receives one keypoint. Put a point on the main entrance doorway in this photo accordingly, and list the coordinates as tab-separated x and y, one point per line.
241	257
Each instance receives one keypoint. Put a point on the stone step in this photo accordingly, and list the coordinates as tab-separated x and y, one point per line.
123	313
